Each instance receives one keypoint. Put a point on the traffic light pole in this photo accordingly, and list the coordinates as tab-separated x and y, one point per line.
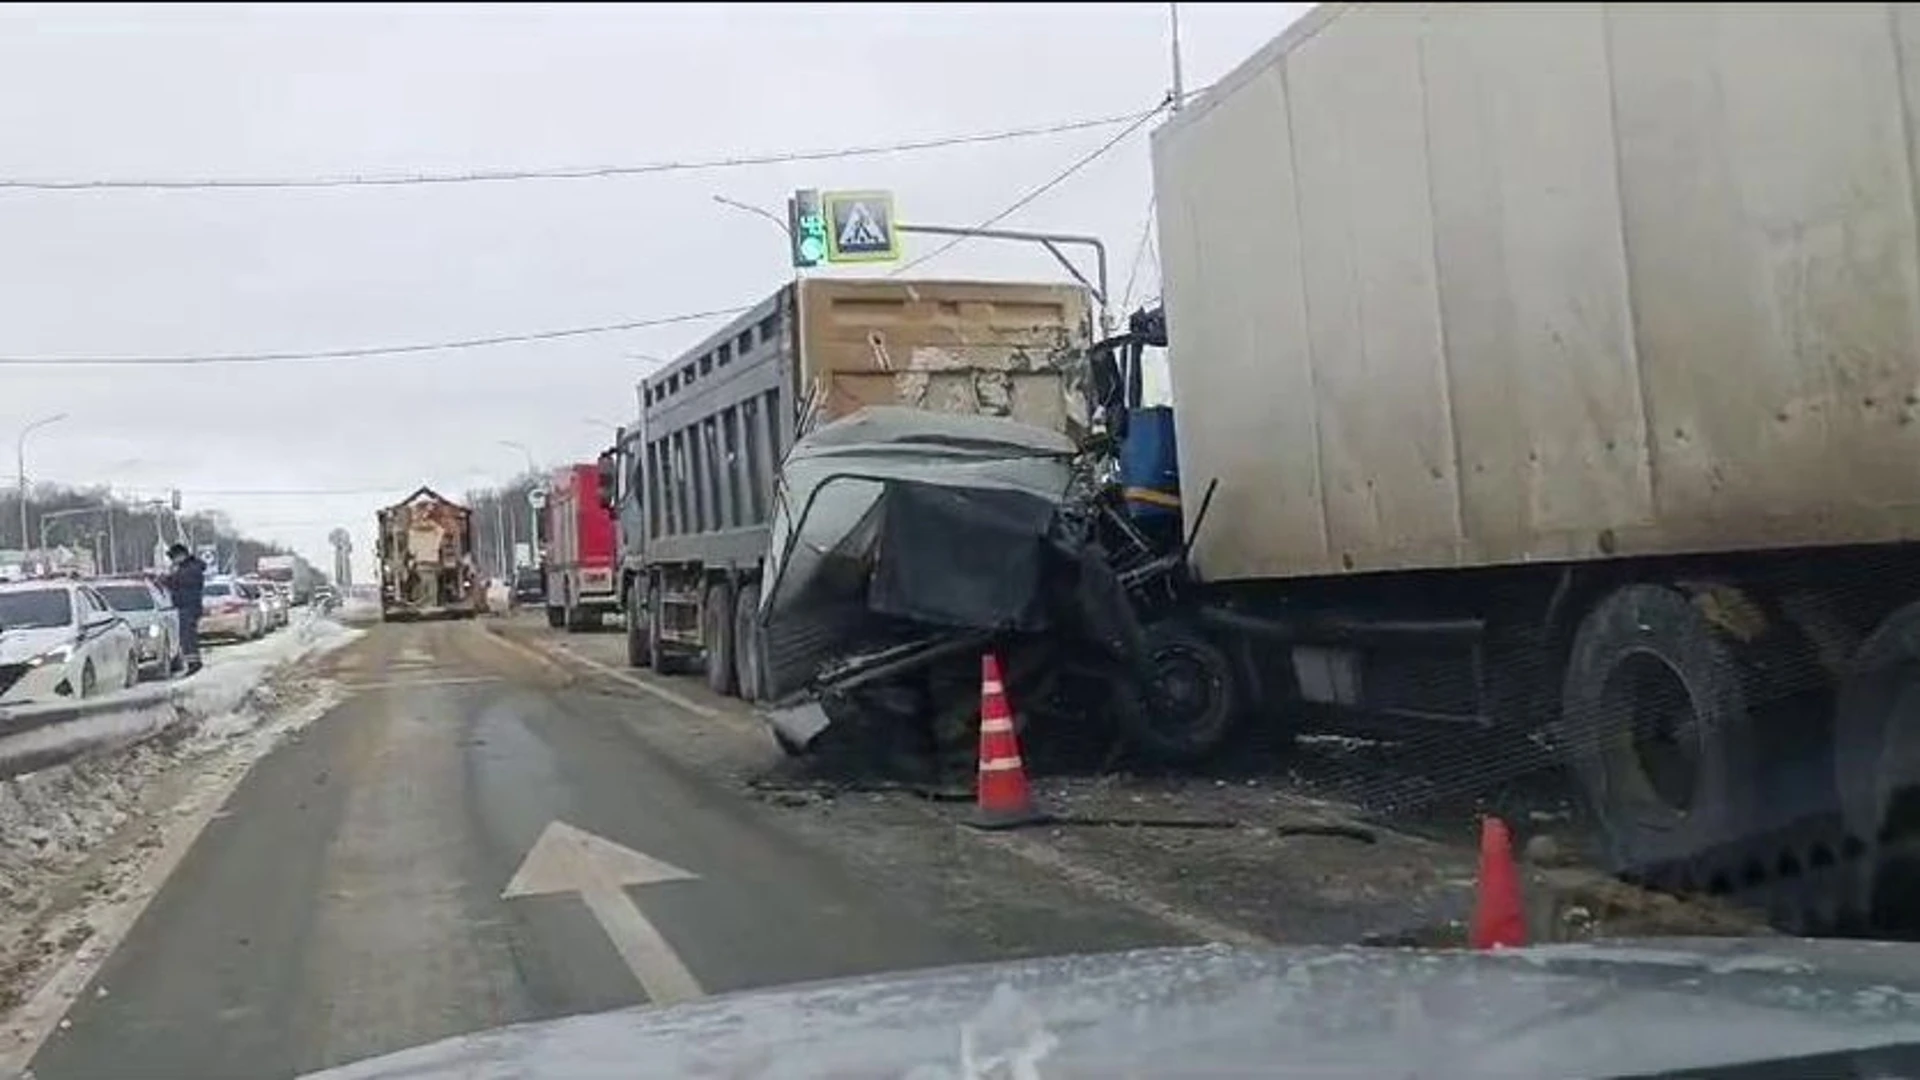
1052	242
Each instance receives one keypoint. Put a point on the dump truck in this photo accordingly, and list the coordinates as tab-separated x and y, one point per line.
693	480
1547	383
426	559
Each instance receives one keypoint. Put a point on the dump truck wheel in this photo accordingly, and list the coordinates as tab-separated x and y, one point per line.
716	614
746	641
1655	726
1191	705
639	632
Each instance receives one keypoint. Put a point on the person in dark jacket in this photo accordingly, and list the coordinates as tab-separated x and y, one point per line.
185	584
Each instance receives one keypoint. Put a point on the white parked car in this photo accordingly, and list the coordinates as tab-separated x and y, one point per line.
270	603
226	611
149	611
59	639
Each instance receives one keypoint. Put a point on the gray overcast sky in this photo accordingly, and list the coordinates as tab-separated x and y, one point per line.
233	90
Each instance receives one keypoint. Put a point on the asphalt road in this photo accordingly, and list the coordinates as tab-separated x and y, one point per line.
348	902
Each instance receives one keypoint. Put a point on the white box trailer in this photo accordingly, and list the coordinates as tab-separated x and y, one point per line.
1585	338
1462	285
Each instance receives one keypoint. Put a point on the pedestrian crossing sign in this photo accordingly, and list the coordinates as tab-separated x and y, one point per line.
860	226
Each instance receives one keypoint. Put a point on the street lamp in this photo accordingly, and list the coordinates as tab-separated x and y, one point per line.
756	211
524	452
20	464
533	512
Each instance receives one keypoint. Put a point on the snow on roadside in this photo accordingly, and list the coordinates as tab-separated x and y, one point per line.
77	835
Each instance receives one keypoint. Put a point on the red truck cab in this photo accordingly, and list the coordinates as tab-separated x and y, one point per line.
582	583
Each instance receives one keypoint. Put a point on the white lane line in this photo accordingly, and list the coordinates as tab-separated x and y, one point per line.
671	697
1115	890
391	684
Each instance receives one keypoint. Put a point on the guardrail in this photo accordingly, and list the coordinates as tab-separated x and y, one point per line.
37	736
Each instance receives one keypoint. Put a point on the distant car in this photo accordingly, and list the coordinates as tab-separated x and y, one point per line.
529	585
281	594
228	612
59	639
270	604
155	622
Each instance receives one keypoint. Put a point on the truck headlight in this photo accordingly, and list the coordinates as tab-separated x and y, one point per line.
153	631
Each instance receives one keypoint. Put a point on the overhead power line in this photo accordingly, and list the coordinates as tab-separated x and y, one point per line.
1135	123
366	351
587	172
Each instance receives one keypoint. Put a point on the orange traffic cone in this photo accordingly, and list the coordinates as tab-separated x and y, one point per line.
1003	800
1499	915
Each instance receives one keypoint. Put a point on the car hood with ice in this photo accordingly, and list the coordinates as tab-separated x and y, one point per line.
1559	1011
23	644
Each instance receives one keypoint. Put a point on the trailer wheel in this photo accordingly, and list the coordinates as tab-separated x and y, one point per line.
746	641
1655	726
716	614
1191	705
1877	768
639	632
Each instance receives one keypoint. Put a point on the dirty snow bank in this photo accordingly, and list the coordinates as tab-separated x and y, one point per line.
78	835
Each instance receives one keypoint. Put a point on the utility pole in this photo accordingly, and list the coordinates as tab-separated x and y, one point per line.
1179	82
20	464
533	512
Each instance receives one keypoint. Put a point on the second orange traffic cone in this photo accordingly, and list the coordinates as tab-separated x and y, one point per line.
1003	800
1499	913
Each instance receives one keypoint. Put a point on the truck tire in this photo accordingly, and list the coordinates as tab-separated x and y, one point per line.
1647	668
746	641
716	614
639	631
1193	702
556	617
1876	762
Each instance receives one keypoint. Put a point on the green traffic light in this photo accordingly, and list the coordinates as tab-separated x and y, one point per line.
812	248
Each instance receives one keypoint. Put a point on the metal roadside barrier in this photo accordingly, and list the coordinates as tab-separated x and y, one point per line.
34	737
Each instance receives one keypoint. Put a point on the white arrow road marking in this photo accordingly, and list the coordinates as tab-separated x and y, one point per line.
566	859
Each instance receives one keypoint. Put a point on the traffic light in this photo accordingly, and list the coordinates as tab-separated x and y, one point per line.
807	224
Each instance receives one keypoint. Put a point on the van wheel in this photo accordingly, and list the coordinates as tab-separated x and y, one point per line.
556	617
716	615
1655	727
639	627
746	641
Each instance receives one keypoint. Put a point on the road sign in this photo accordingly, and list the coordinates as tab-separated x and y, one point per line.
860	226
569	860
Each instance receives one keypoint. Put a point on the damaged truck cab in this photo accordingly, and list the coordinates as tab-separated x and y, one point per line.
693	480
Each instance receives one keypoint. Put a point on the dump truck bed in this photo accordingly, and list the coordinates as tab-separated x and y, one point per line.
716	424
1462	285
